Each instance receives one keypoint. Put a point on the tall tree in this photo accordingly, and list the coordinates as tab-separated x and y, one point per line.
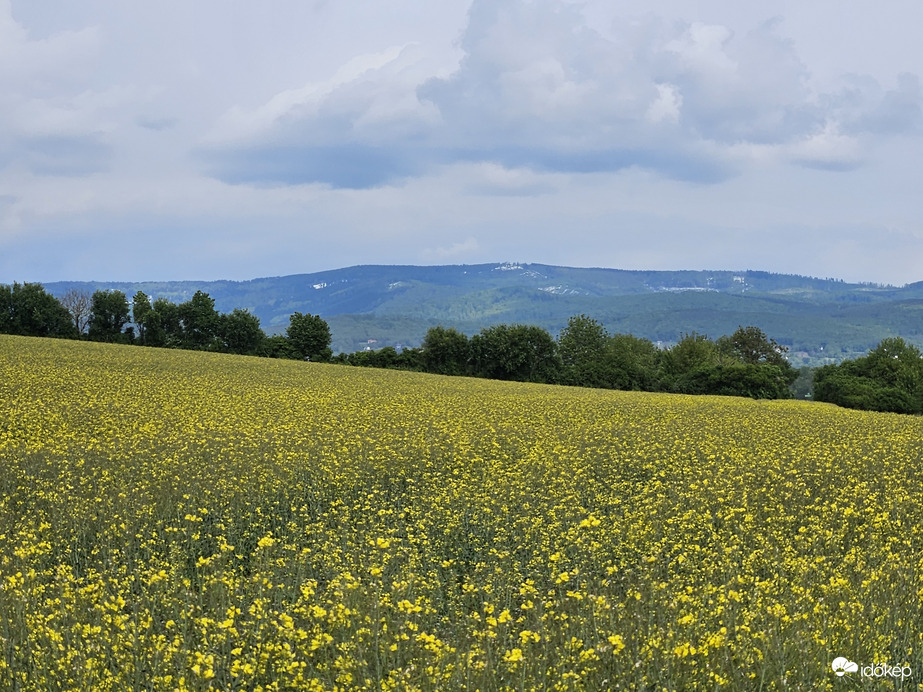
163	325
200	322
445	351
751	345
766	372
309	336
109	315
692	352
582	346
686	367
276	346
240	332
582	340
630	363
520	352
140	313
896	363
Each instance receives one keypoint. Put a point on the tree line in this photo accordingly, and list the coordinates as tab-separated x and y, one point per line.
107	316
745	363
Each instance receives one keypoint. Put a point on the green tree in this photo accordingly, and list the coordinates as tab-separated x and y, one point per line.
309	336
844	385
162	325
630	363
199	322
445	351
692	352
385	357
28	310
410	359
582	346
581	341
895	363
141	310
359	359
685	367
109	316
751	345
889	378
746	363
240	332
276	346
754	380
519	352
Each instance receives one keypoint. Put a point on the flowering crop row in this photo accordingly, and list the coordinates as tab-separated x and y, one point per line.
189	521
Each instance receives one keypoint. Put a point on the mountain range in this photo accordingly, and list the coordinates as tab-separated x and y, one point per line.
372	306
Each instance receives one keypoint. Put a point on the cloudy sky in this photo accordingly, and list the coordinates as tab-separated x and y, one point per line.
230	139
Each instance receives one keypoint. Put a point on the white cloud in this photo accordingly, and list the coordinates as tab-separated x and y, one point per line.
701	49
828	149
667	105
493	179
378	73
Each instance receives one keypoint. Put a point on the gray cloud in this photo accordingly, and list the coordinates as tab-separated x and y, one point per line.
346	165
362	128
65	156
49	118
156	124
863	106
537	87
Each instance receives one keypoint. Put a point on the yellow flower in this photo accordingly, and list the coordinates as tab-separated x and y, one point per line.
527	635
513	656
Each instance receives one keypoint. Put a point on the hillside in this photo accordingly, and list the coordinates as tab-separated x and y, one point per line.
820	320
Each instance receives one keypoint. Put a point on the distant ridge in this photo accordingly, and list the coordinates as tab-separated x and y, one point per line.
820	320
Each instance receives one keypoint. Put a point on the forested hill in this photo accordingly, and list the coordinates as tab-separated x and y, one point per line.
374	306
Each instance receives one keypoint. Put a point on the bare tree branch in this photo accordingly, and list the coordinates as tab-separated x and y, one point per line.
78	304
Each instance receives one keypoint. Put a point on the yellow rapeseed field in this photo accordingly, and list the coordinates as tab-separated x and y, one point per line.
188	521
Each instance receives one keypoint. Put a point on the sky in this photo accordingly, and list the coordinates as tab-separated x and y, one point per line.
223	139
